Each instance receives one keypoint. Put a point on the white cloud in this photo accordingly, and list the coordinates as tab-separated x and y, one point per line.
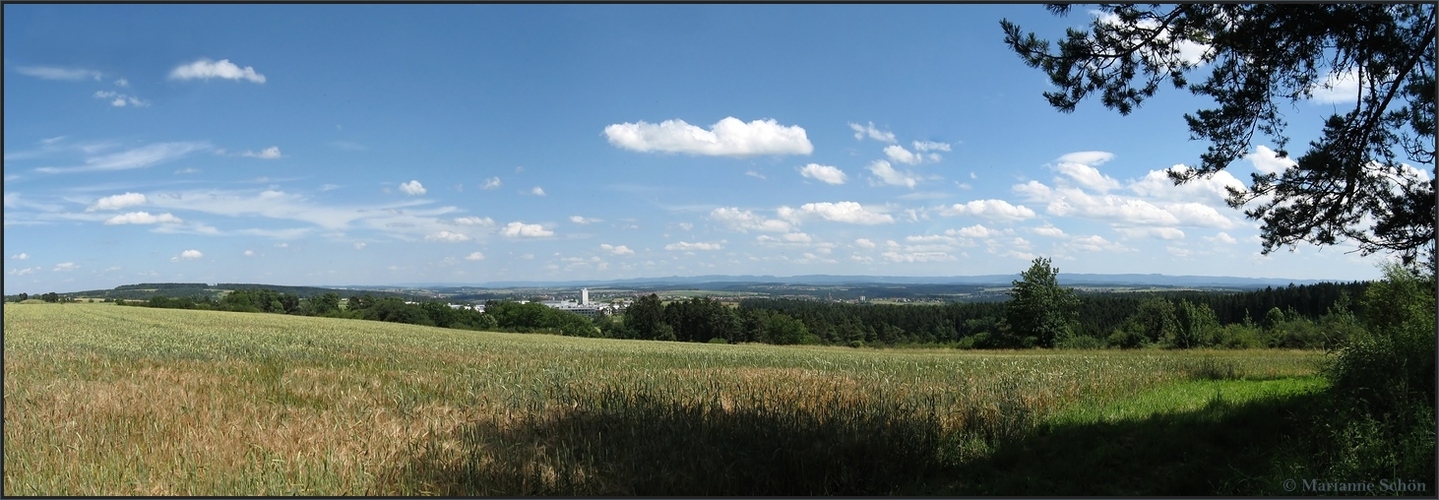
475	256
121	100
537	191
897	153
917	256
447	237
617	250
823	173
1080	168
1221	237
1337	88
117	202
66	266
206	69
1196	214
686	246
142	218
582	220
845	211
59	73
188	255
412	188
21	256
1047	230
888	175
1267	161
1163	233
1177	251
25	271
1188	52
860	131
1094	243
249	253
728	137
1156	184
360	245
976	231
755	174
491	183
122	83
475	221
864	243
135	158
745	220
998	210
923	146
796	237
522	230
270	153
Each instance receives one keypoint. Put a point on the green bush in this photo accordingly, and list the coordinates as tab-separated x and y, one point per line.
1238	336
718	340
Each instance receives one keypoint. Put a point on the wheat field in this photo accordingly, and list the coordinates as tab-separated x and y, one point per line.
106	400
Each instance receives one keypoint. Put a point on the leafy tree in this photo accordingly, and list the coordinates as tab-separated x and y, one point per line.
1350	182
1194	325
1038	308
51	297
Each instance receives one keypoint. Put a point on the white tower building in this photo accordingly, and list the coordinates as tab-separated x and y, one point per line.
584	296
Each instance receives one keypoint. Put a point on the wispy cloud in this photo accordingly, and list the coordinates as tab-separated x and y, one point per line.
121	100
135	158
583	220
59	73
862	131
687	246
491	183
616	250
270	153
745	220
206	69
728	137
447	237
884	173
475	256
20	256
537	191
66	266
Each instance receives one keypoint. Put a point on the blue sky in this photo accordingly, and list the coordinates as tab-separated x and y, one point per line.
382	144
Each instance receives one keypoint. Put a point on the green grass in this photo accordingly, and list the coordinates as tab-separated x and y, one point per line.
105	400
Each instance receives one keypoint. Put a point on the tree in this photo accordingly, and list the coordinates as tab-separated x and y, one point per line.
1349	184
1195	325
645	318
1038	308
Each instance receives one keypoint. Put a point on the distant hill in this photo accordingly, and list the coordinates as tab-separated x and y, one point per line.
1068	279
144	291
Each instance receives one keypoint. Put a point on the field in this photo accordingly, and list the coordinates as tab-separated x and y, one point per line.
106	400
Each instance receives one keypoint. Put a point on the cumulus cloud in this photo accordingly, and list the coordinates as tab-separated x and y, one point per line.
412	188
474	221
864	243
475	256
886	174
59	73
189	255
270	153
1221	237
998	210
491	183
1213	189
142	218
537	191
1163	233
745	220
1337	88
845	211
823	173
1079	167
20	256
1267	161
117	202
976	231
898	154
66	266
206	69
1094	243
686	246
522	230
617	250
583	220
1050	231
860	131
728	137
447	237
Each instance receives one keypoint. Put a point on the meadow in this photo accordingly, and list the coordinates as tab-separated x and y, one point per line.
106	400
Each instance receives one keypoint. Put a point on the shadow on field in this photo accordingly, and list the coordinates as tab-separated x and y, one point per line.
628	445
1223	448
632	445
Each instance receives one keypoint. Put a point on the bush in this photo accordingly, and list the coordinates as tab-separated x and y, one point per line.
1238	336
1080	342
718	340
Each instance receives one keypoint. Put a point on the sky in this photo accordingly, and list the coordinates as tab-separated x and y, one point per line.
465	144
